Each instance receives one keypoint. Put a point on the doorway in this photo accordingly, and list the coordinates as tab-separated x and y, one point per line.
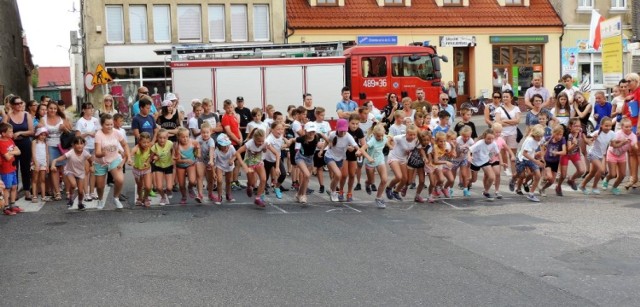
461	74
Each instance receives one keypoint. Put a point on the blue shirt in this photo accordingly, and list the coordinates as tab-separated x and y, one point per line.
439	128
346	106
144	124
136	109
602	111
452	112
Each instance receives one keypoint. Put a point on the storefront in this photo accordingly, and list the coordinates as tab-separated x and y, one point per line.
516	60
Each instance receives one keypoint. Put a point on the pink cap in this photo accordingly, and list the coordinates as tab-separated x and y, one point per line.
342	125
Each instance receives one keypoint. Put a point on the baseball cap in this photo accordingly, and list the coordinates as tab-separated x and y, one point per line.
171	96
166	103
239	98
42	130
223	140
342	125
310	127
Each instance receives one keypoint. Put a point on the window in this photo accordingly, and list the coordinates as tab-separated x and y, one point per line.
216	23
516	66
261	23
161	23
374	67
412	66
513	2
115	28
327	2
189	23
619	4
393	2
239	23
585	4
452	2
138	23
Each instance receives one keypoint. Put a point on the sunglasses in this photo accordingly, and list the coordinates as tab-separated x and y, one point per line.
496	97
445	99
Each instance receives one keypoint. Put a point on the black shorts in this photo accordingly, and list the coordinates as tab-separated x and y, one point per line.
164	170
478	168
318	161
351	156
553	165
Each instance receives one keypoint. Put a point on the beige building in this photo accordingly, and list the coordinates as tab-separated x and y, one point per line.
579	58
122	35
488	42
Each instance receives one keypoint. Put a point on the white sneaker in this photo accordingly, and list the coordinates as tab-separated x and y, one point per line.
100	205
303	200
117	202
163	201
334	196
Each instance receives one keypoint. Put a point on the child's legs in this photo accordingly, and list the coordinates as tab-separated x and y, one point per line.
382	172
536	180
228	178
597	168
303	176
320	175
200	174
411	174
72	183
219	176
209	175
580	169
336	173
449	175
397	172
621	173
100	183
191	174
262	175
370	172
633	165
489	177
148	183
496	173
352	167
420	186
180	172
345	174
139	186
404	178
358	172
118	181
158	178
82	184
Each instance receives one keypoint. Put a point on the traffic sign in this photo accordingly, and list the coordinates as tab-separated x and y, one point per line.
88	82
378	40
101	77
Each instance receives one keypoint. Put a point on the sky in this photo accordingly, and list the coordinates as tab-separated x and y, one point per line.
47	24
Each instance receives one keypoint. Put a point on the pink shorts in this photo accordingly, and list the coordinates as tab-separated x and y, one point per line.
616	159
575	158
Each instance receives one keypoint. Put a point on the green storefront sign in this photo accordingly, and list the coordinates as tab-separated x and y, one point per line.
519	39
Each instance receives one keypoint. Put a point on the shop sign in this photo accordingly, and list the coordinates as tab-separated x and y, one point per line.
458	41
611	32
378	40
519	39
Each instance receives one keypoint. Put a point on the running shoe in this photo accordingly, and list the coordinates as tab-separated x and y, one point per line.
533	198
419	199
278	193
380	203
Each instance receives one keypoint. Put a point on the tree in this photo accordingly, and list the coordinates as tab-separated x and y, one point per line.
35	78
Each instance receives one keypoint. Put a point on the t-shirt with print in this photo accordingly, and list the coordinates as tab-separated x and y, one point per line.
441	153
254	125
205	148
75	163
462	148
339	151
308	148
7	166
562	115
571	139
229	120
210	118
554	146
276	143
110	144
253	155
482	153
397	129
88	126
401	148
600	144
144	124
375	147
621	136
164	153
530	145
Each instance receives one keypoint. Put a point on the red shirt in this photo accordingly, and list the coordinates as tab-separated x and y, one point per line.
625	108
6	166
232	122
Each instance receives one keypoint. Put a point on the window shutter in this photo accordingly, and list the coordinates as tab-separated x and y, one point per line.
261	22
138	23
189	23
239	23
115	31
216	23
161	23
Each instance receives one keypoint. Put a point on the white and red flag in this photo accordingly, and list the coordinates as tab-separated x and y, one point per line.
594	29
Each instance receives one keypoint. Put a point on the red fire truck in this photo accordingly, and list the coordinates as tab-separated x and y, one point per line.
280	74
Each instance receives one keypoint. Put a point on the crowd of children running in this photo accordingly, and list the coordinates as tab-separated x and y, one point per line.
418	141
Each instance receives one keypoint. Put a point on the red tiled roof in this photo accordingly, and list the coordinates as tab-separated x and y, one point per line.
421	14
54	76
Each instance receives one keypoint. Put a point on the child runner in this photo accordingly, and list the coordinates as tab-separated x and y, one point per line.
624	142
398	127
556	147
402	145
257	123
375	144
443	125
418	160
253	164
40	163
304	158
465	113
461	161
339	143
185	153
204	164
526	159
162	165
600	140
366	122
75	170
277	141
500	161
323	128
195	122
442	153
88	126
351	166
574	139
141	163
225	159
482	153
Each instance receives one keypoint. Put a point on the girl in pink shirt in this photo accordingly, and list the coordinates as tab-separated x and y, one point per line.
109	159
78	160
495	160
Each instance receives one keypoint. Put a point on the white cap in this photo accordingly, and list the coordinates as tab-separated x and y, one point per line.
310	127
166	103
171	96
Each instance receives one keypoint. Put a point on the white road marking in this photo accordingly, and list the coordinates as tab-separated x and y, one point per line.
28	206
452	206
354	209
281	210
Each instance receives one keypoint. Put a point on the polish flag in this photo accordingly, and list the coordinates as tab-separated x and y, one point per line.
594	29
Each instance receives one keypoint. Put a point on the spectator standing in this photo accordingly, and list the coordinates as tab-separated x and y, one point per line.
346	106
537	88
245	115
22	124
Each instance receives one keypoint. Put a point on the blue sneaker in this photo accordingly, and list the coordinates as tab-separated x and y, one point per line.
615	191
605	184
466	193
278	193
340	196
389	193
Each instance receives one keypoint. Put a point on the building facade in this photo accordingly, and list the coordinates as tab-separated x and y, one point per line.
122	35
488	42
54	82
15	58
578	57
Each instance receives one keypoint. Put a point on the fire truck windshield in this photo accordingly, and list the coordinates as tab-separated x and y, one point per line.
413	66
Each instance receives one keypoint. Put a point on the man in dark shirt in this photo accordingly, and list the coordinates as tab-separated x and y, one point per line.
245	115
144	121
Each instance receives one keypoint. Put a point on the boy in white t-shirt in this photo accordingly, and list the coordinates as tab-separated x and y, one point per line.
526	159
323	128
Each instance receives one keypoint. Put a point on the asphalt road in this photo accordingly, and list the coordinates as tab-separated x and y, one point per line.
570	251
